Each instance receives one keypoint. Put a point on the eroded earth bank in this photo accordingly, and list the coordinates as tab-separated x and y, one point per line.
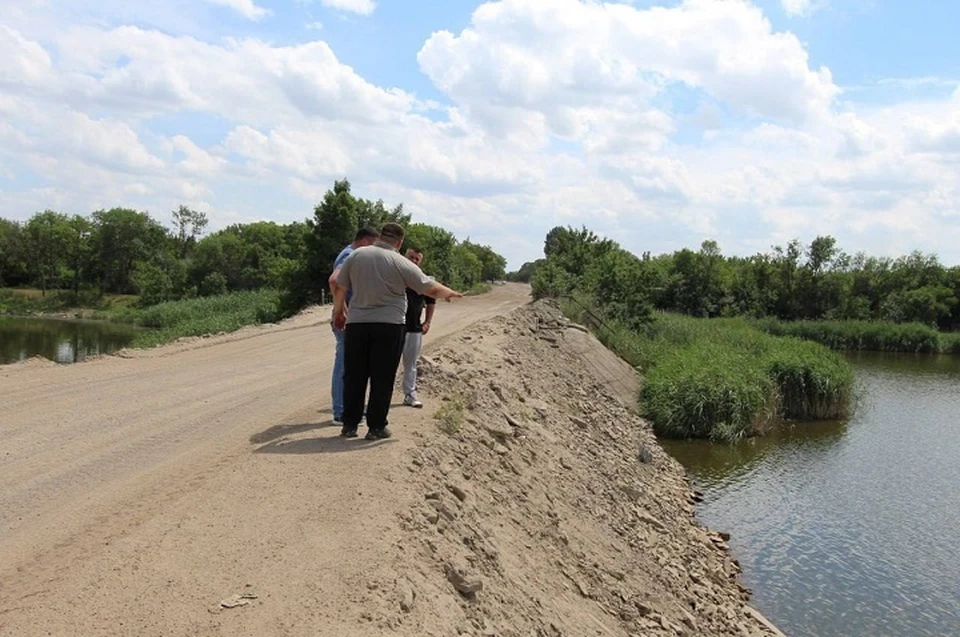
550	505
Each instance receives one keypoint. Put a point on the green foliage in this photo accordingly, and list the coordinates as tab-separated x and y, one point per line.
208	315
438	246
48	238
724	380
579	263
878	336
493	267
334	225
14	267
154	284
188	225
526	271
88	262
121	238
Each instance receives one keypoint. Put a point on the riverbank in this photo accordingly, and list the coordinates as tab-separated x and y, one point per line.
549	492
204	477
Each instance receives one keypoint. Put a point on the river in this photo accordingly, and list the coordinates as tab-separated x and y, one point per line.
60	340
848	529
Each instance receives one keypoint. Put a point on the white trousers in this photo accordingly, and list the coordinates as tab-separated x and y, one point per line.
411	352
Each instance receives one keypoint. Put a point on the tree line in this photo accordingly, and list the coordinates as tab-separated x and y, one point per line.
125	251
792	282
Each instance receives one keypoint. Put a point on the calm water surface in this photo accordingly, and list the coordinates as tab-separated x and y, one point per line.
60	340
850	529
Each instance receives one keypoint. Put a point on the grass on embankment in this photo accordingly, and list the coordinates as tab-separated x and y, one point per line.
723	379
877	336
29	301
199	317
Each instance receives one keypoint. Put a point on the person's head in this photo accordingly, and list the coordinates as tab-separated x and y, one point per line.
365	237
415	254
392	233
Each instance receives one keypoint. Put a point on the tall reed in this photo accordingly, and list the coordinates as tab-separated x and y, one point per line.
723	379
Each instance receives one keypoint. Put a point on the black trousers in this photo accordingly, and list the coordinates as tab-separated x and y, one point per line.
371	353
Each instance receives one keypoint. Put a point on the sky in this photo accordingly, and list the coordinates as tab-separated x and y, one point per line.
659	124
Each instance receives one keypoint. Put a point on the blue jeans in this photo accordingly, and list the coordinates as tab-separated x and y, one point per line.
336	382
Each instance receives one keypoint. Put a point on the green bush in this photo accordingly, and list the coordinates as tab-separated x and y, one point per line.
723	379
207	315
877	336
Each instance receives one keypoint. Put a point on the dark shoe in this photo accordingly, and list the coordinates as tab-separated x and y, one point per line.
348	432
378	434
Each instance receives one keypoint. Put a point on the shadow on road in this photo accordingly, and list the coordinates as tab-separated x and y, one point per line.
279	431
326	444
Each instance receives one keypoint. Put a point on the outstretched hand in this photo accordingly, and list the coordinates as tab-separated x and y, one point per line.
452	295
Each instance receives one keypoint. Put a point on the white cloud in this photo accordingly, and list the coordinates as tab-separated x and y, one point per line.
530	55
797	7
361	7
246	8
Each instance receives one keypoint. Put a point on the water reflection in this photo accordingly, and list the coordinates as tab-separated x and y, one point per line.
60	340
848	529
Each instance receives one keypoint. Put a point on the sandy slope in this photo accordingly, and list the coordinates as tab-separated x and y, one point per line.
139	491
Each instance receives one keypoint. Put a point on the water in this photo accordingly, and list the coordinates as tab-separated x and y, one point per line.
850	529
60	340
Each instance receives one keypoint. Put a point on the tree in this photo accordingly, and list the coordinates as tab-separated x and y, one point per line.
121	237
14	266
48	239
493	266
333	226
438	247
79	249
188	225
526	271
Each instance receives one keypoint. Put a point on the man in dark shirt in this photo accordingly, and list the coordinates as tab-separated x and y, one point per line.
415	333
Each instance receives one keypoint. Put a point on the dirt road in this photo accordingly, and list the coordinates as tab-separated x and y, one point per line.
139	491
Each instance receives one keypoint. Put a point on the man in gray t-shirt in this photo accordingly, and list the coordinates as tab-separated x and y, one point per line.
378	277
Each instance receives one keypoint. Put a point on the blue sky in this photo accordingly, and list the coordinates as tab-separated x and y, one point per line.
660	124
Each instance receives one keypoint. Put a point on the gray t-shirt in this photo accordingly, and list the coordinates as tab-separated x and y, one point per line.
379	277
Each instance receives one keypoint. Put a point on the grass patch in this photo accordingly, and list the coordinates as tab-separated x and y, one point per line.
723	379
451	414
86	303
877	336
479	288
202	316
950	343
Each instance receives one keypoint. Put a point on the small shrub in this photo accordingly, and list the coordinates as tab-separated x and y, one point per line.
451	414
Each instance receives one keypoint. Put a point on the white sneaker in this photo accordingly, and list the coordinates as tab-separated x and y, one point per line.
338	421
411	401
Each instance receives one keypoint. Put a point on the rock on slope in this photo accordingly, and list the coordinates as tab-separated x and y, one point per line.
548	507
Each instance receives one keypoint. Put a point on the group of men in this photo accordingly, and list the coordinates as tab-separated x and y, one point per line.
379	298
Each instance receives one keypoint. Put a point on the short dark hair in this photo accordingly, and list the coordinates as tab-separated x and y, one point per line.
392	231
414	248
366	233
